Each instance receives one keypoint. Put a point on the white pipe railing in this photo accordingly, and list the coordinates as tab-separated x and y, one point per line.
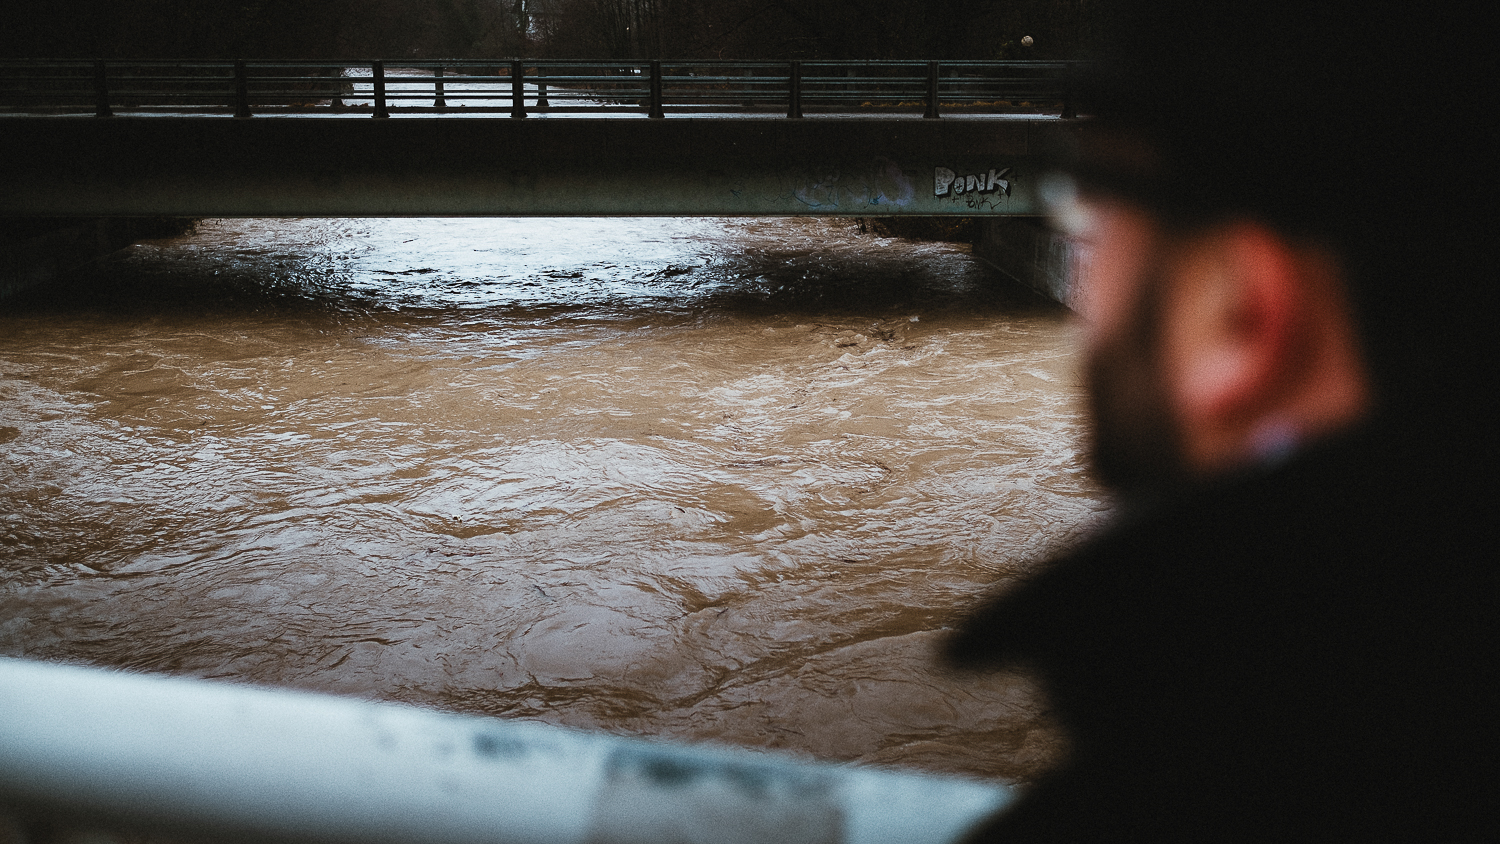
97	748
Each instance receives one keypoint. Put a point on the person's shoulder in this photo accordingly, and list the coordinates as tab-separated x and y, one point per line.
1334	535
1306	652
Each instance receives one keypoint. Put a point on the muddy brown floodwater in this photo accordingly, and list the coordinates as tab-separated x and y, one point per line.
716	480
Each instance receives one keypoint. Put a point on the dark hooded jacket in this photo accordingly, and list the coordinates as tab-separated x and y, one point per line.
1306	652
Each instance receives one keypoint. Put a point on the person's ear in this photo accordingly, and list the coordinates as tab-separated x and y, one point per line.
1230	334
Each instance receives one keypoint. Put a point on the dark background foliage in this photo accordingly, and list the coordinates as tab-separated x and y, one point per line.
594	29
813	29
259	29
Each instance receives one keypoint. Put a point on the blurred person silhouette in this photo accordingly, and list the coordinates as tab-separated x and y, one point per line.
1289	630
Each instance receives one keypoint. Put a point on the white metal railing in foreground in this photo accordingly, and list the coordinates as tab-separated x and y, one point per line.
89	746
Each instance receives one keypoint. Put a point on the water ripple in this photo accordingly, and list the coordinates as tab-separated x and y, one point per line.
722	480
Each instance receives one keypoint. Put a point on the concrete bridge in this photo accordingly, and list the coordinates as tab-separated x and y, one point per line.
216	167
653	138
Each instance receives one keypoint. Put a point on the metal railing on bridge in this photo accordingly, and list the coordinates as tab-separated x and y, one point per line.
519	88
88	754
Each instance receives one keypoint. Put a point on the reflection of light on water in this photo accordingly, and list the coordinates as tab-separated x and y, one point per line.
712	479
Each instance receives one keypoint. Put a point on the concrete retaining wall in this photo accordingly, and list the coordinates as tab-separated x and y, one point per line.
1025	249
37	251
34	252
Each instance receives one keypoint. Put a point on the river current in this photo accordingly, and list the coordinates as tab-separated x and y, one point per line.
712	480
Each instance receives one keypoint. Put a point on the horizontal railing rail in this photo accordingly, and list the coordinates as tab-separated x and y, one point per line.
522	87
98	755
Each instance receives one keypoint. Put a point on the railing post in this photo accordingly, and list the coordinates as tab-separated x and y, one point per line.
241	89
439	101
101	91
541	88
656	110
1068	110
794	94
517	89
377	71
932	91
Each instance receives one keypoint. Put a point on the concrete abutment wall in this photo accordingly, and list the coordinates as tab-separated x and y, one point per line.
37	251
1029	252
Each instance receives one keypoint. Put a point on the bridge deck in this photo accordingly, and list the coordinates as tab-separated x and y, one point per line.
414	166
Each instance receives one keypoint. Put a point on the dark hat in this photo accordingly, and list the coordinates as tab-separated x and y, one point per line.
1368	127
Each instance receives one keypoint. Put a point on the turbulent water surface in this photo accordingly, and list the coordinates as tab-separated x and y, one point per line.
723	480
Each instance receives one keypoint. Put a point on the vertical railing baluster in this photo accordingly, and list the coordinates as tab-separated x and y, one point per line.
932	91
439	101
241	89
377	73
517	89
541	88
1068	110
336	101
101	91
794	94
656	109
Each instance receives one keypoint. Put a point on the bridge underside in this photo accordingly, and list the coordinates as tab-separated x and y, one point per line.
310	167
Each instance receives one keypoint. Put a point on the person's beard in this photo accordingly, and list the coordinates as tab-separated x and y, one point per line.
1135	449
